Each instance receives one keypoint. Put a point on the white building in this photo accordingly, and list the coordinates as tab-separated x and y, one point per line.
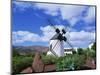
90	45
69	50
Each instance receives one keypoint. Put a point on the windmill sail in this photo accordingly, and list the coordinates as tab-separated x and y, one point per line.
51	24
56	29
67	42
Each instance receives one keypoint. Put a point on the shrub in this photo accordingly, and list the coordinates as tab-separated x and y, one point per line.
80	51
90	53
15	52
64	64
74	52
48	59
72	62
94	46
20	63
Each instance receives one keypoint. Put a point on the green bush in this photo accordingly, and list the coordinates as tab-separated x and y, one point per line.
64	64
71	62
15	52
68	62
80	51
90	53
48	59
20	63
94	46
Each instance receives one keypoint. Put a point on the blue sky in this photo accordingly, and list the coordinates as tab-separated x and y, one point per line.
30	25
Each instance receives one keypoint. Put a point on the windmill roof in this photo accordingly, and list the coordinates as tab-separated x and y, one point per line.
55	37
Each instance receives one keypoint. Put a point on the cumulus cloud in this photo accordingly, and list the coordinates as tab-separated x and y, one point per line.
90	15
82	35
49	32
81	39
67	11
71	13
24	36
77	39
51	9
21	6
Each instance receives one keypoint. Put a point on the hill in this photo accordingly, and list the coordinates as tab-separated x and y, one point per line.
30	49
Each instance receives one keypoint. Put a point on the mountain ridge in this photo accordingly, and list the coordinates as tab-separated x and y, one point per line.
30	49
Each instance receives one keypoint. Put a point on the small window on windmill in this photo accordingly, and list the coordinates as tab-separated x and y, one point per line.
50	47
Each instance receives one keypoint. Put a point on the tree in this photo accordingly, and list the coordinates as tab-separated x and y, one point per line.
15	52
74	52
94	46
94	51
80	51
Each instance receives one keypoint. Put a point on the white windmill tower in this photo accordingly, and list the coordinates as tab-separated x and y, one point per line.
57	42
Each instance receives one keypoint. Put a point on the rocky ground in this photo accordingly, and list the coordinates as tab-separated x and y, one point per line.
39	66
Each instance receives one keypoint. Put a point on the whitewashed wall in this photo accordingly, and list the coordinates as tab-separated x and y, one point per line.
59	48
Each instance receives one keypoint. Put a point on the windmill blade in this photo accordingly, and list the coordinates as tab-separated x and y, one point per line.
67	42
68	36
56	29
53	48
63	31
51	24
67	28
91	42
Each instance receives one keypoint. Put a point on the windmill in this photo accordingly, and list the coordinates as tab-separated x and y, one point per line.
57	42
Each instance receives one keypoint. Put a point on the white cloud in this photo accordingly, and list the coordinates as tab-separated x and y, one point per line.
67	11
24	36
51	9
49	32
81	39
77	39
82	36
22	6
91	15
71	13
90	28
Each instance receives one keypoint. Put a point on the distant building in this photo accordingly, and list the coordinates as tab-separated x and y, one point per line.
90	45
69	50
